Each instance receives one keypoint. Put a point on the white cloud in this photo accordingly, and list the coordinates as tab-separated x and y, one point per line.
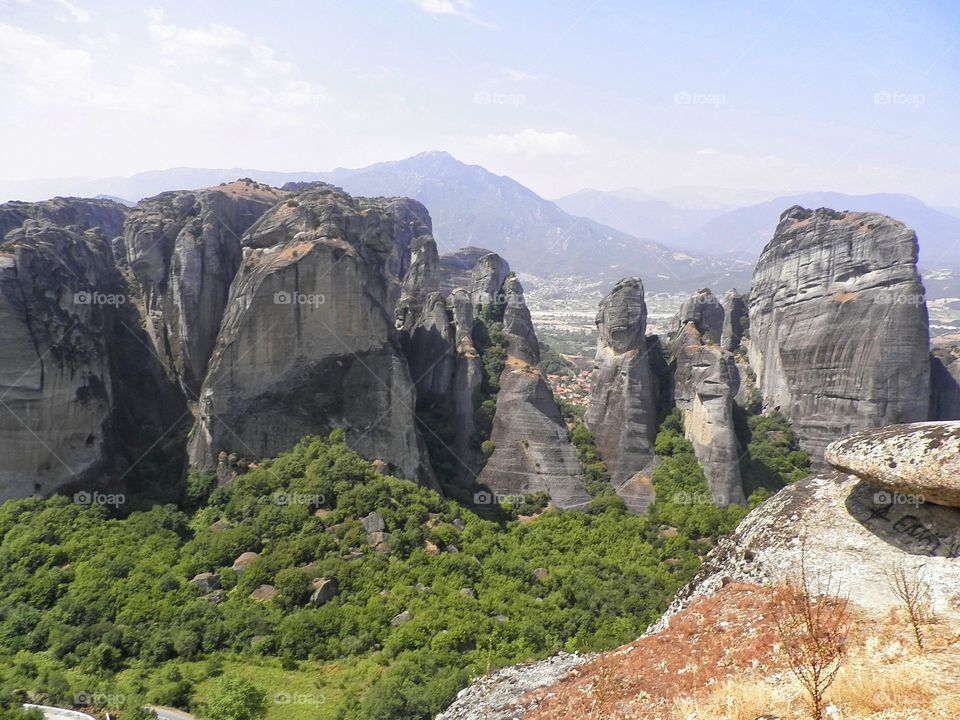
450	8
73	12
535	142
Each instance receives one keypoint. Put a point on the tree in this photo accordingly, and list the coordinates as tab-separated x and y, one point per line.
812	622
235	698
914	592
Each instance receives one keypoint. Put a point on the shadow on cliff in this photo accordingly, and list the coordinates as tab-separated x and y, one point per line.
915	528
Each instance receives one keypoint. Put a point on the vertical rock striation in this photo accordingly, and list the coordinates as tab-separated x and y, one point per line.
184	249
838	323
622	412
309	338
945	386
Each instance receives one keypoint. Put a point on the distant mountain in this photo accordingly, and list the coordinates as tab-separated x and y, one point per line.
472	206
748	229
639	214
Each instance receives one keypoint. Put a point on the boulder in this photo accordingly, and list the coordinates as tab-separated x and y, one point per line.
379	541
622	412
324	590
264	593
401	618
706	312
838	325
206	582
373	522
244	561
921	460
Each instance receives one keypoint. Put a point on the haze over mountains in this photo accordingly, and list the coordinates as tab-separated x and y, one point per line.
679	238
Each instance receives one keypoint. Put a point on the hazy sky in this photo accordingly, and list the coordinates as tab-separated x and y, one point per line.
782	96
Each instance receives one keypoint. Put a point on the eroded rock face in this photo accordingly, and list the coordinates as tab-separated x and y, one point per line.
69	360
622	413
184	249
853	531
79	213
921	460
736	313
706	381
705	311
838	325
308	341
945	387
532	450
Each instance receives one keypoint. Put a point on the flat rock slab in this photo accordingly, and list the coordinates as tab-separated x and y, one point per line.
921	460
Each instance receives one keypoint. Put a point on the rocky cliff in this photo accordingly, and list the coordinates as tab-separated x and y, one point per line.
80	213
622	413
945	385
706	381
309	339
854	527
838	324
532	450
184	250
71	341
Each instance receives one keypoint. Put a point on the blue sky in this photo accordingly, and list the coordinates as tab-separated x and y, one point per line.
779	96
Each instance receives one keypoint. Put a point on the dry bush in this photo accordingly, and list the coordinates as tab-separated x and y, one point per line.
734	700
868	689
914	592
813	622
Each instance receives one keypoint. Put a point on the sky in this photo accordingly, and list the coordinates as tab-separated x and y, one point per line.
783	97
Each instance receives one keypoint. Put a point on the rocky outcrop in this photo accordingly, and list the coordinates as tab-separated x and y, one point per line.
80	396
532	450
184	250
706	381
78	213
308	341
921	461
622	412
945	386
736	319
846	529
838	325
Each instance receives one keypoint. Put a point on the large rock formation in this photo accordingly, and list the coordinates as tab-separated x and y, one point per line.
846	529
838	324
80	213
921	460
70	354
945	385
532	451
308	341
706	381
184	249
736	319
622	413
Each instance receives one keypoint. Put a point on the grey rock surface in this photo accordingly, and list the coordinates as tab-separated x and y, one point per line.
921	460
308	341
706	381
706	312
736	319
80	214
184	249
622	412
945	386
532	449
838	325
